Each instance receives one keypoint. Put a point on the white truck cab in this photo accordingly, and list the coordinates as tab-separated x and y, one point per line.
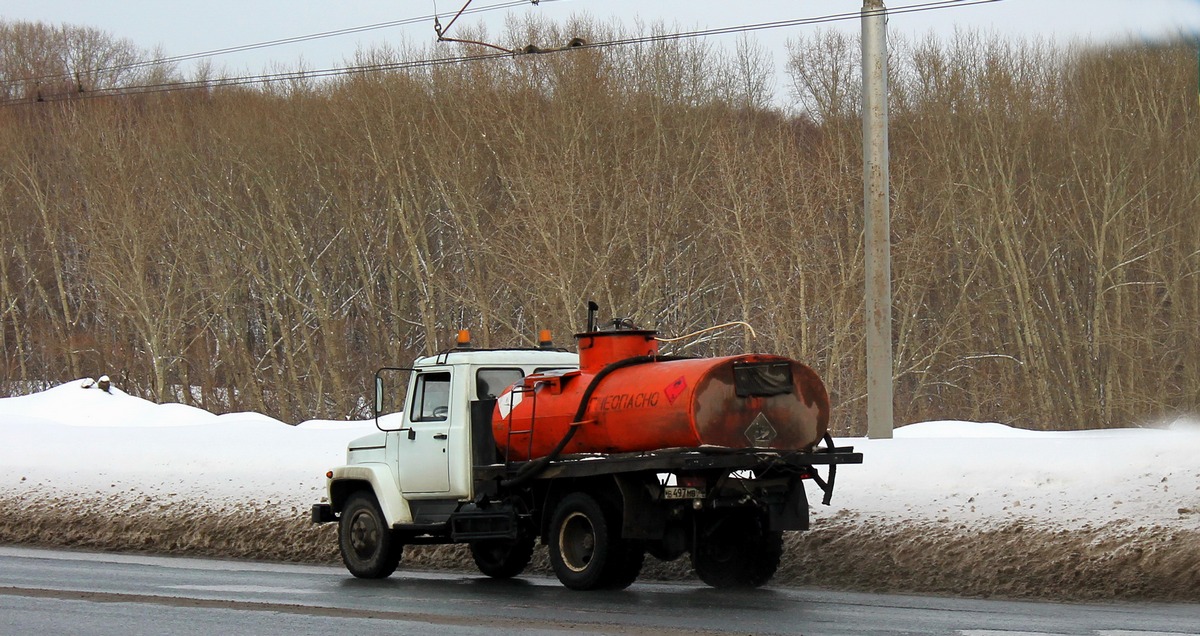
420	463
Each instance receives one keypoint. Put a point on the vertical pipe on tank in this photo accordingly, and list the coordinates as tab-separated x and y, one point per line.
592	309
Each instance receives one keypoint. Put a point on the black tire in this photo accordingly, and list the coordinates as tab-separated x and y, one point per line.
625	568
586	552
369	548
739	553
502	559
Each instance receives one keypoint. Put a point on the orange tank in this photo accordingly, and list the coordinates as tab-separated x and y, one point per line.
639	401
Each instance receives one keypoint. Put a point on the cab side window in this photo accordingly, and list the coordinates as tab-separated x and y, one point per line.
490	383
431	401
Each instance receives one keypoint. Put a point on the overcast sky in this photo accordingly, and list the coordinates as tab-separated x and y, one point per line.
183	28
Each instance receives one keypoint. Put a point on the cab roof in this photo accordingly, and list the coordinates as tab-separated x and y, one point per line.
500	357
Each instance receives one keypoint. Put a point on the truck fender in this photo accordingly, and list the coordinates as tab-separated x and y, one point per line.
380	480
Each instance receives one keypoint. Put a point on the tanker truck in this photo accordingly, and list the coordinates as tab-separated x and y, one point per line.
603	456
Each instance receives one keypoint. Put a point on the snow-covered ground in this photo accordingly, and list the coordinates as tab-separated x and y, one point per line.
72	443
986	474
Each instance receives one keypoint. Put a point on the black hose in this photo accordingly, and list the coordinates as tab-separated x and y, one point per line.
535	468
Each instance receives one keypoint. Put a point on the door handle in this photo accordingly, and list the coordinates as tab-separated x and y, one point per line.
439	436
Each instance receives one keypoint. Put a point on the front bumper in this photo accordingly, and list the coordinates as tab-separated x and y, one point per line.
323	513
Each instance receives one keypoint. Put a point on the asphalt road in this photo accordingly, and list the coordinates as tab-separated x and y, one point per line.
56	592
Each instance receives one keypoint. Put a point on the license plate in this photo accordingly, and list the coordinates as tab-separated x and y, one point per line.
679	492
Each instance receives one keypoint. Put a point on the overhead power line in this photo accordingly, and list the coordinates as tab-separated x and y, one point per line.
835	17
292	76
270	43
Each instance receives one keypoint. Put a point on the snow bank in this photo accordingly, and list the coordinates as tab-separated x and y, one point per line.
75	442
71	442
946	507
987	474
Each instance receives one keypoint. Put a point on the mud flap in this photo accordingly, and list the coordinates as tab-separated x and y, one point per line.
793	514
642	517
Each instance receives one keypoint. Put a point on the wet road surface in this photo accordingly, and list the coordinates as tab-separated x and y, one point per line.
50	591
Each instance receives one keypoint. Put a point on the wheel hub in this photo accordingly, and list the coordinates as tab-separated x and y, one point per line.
364	534
577	542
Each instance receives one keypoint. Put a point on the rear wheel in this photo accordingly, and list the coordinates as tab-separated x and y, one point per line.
502	559
585	550
369	548
738	552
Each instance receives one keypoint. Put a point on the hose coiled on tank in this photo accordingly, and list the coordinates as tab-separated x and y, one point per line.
535	468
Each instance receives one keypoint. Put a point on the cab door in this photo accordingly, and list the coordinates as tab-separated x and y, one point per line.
424	463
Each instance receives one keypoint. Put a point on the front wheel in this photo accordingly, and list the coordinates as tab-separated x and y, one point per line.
501	558
369	548
585	549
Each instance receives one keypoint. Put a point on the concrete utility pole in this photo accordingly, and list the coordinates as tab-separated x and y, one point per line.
877	228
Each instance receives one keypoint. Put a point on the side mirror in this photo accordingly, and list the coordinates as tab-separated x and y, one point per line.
378	398
389	396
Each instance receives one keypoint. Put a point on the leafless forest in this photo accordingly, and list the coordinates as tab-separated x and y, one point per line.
271	245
